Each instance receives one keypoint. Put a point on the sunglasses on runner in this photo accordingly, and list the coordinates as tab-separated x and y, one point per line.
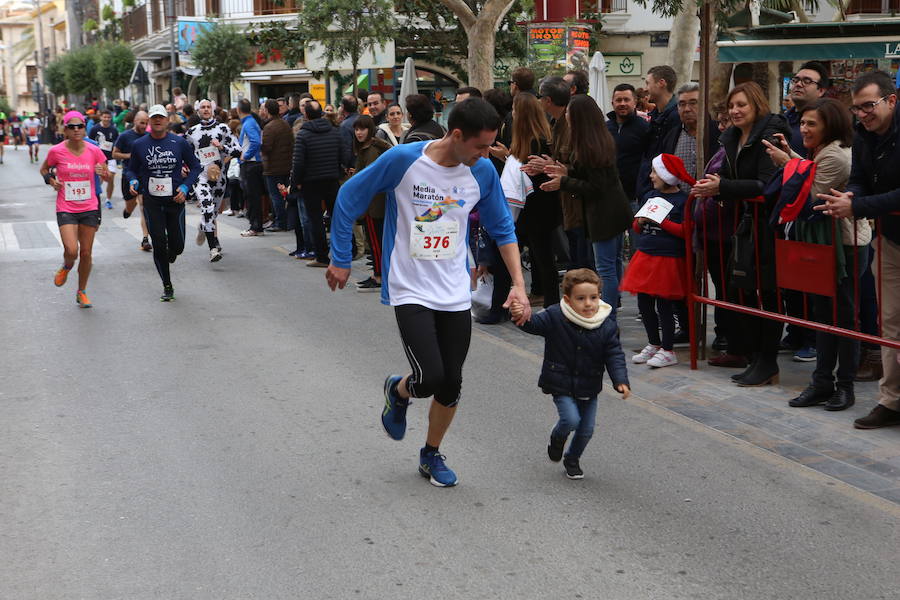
75	126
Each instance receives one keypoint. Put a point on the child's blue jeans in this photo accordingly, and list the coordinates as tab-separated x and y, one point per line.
576	415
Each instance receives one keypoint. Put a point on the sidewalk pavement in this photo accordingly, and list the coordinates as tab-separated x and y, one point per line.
821	440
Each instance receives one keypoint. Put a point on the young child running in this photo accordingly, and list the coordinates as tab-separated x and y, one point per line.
579	343
656	271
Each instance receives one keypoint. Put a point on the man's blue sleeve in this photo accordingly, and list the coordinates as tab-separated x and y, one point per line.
493	211
190	157
253	135
133	171
356	194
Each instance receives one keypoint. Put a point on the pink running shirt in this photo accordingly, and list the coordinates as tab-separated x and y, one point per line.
76	173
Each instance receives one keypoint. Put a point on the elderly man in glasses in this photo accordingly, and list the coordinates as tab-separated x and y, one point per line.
874	192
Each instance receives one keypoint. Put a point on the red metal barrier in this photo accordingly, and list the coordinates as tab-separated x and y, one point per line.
801	266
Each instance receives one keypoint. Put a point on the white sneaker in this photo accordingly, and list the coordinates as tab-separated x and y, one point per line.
201	236
228	212
215	255
663	358
645	355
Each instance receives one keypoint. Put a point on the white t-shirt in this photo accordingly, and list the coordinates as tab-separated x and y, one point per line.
426	212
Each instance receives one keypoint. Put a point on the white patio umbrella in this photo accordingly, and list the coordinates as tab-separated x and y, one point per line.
598	88
408	85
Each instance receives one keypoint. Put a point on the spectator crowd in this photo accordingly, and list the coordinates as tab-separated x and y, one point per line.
575	177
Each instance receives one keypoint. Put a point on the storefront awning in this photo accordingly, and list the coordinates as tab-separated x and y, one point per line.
812	41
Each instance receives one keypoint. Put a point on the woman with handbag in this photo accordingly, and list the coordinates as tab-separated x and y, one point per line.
594	179
827	135
744	174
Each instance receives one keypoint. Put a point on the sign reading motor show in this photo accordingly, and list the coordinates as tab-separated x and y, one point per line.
566	46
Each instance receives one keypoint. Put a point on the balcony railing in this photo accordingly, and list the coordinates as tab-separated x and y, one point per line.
873	7
604	6
134	24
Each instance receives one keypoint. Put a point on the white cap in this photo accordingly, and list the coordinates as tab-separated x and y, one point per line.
158	110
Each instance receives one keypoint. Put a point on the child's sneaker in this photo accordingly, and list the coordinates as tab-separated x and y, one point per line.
663	358
573	469
646	354
555	449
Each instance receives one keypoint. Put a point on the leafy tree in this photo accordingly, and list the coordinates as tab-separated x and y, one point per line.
479	19
433	33
280	41
221	53
81	71
55	76
343	29
115	63
4	105
90	25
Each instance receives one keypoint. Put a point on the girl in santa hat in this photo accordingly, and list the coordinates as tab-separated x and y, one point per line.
656	272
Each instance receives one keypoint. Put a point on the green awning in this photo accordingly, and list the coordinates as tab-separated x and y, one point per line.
877	39
822	50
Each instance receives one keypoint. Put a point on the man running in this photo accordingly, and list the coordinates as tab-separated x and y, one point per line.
154	170
431	188
122	151
105	134
213	143
15	126
33	128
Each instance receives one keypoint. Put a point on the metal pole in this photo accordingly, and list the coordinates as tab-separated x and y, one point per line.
174	72
40	56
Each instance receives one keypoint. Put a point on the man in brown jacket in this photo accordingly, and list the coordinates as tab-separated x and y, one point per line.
277	149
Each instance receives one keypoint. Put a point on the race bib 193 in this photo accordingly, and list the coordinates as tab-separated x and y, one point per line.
433	241
106	146
160	186
77	191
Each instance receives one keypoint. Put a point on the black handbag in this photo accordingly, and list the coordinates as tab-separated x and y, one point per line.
751	232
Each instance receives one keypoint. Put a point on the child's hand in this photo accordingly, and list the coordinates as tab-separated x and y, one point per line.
623	389
516	310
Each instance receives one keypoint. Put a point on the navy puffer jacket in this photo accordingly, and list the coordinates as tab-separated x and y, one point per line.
574	357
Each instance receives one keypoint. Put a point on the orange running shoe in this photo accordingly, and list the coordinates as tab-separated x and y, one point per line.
61	275
82	299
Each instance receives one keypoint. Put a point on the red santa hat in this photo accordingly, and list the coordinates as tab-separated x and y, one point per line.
671	169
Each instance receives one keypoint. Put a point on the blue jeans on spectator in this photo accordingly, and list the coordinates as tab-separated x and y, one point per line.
305	225
608	255
279	208
581	254
578	415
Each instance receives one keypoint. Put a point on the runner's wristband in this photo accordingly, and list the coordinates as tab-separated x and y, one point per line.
47	178
133	183
183	188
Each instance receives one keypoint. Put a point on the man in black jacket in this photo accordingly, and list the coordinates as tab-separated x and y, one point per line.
664	118
320	160
631	134
874	192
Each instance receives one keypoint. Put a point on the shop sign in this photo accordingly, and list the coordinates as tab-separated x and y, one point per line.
623	66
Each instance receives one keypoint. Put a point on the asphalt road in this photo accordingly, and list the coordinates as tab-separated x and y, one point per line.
227	446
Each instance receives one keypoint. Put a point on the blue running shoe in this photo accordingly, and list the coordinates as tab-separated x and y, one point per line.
431	466
393	417
805	354
108	205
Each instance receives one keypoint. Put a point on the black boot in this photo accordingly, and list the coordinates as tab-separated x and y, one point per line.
841	399
763	372
810	397
737	377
